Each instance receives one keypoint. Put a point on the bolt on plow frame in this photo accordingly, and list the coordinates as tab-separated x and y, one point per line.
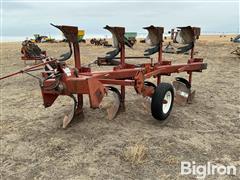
59	79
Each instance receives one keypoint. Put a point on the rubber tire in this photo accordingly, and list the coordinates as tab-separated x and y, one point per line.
157	101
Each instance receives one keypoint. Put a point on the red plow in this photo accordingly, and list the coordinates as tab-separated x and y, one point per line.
59	79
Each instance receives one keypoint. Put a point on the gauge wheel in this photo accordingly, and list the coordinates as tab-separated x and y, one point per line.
162	101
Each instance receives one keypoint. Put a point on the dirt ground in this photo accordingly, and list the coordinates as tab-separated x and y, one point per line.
34	146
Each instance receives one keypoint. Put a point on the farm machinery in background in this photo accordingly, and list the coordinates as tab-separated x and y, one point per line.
59	79
42	39
236	39
31	51
100	42
80	36
130	37
38	38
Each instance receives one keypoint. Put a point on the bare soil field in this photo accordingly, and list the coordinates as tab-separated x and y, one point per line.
133	145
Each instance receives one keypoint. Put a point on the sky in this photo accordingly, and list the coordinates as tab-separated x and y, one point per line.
25	18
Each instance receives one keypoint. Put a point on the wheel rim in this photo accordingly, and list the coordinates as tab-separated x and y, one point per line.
168	101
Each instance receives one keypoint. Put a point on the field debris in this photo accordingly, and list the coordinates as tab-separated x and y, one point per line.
135	154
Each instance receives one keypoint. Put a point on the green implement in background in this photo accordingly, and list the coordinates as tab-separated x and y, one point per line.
81	33
130	35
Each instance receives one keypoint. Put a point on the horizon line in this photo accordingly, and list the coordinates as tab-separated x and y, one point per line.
59	37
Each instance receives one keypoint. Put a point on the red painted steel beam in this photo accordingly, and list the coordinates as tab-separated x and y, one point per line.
118	82
168	69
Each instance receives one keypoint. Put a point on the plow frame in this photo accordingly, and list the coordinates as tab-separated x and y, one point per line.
80	80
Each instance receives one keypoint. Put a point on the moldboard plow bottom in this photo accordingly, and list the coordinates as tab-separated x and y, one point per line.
58	79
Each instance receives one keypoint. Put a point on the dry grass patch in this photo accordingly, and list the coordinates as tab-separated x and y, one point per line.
136	154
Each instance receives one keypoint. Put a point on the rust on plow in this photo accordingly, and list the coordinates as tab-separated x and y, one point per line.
60	79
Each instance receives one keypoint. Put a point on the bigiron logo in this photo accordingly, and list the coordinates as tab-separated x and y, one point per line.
209	169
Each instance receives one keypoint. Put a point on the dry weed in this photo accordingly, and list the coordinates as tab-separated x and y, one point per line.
135	154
